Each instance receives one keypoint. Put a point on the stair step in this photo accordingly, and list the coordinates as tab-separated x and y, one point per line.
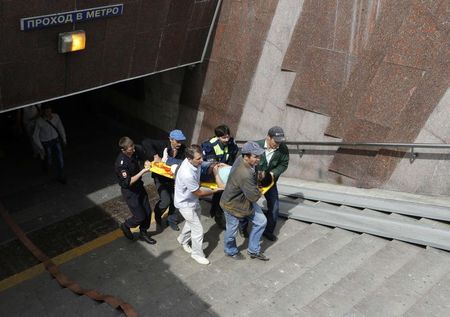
438	200
435	302
343	295
415	208
404	288
370	212
205	282
406	219
322	276
285	271
299	200
311	255
378	225
231	290
435	224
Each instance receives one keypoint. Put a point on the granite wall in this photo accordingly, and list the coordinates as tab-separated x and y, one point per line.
149	37
239	39
350	70
141	100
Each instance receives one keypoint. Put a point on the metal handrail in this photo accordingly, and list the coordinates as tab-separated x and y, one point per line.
411	146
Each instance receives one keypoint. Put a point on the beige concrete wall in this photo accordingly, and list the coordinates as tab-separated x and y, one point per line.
429	173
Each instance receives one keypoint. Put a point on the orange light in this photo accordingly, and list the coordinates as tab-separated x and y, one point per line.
72	41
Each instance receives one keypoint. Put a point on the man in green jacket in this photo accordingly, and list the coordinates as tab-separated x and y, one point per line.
275	161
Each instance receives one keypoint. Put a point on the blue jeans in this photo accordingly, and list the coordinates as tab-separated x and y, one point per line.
259	224
53	151
273	206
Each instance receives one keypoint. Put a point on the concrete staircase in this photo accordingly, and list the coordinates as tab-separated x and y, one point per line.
422	220
314	270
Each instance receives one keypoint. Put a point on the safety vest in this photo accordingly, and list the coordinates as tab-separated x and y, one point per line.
220	153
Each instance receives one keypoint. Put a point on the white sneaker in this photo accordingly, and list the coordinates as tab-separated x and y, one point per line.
187	248
200	259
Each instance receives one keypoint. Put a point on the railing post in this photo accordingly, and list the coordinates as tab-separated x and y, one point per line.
300	152
413	156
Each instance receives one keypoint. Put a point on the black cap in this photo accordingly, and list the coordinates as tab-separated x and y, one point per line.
277	134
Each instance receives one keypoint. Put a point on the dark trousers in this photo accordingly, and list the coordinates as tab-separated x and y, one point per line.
273	208
139	207
215	207
166	193
216	211
53	153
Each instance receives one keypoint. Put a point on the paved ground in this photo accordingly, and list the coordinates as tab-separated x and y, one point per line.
60	217
314	270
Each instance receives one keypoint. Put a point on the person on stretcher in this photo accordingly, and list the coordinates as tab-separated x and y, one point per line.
217	172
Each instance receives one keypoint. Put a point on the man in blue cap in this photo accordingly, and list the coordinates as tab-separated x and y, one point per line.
172	152
239	202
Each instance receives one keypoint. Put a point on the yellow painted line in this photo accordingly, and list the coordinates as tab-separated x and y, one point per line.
60	259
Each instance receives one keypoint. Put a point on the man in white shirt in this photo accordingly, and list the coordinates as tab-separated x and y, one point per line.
187	193
48	135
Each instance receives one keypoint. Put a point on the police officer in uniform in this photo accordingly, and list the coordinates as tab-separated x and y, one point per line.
129	175
221	148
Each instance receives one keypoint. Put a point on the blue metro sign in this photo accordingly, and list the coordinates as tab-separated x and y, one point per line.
44	21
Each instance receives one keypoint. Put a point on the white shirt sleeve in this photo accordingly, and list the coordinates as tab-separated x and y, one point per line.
36	138
165	155
192	184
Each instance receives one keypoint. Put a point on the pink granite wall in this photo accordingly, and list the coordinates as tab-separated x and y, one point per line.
377	68
237	46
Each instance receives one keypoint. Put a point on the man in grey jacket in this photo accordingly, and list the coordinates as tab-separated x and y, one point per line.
239	202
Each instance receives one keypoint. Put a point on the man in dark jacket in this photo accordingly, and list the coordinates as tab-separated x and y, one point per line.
239	202
222	149
174	152
275	161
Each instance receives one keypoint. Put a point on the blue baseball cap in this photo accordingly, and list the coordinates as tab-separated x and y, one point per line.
177	135
252	147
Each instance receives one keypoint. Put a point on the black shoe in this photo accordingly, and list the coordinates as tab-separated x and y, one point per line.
143	235
126	231
62	180
259	256
238	256
44	166
243	232
270	236
173	226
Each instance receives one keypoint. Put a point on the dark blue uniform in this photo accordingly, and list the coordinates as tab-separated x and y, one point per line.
135	195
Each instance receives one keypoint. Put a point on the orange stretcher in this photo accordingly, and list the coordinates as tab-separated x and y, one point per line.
162	169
